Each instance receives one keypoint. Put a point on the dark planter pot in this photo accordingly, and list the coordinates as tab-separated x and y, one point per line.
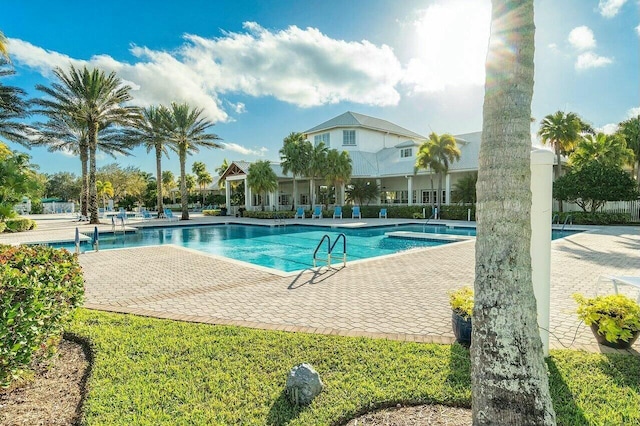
619	344
461	329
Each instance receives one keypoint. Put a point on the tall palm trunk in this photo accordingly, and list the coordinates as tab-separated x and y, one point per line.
295	193
84	196
184	197
439	194
509	375
159	181
93	190
433	199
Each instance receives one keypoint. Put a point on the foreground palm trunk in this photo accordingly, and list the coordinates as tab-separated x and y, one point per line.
509	376
93	192
84	198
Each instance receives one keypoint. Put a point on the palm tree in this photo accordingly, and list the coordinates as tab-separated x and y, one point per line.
12	107
168	183
203	178
426	160
630	131
562	131
187	130
104	189
361	191
338	172
465	189
151	133
609	150
441	151
63	133
262	179
295	154
316	166
505	326
94	101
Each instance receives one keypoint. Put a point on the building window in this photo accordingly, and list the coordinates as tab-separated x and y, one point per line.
348	137
284	199
304	199
323	137
406	152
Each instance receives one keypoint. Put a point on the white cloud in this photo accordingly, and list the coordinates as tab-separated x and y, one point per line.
581	38
633	112
230	146
638	30
610	8
591	60
608	129
299	66
453	37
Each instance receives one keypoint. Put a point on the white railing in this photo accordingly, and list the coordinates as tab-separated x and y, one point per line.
629	207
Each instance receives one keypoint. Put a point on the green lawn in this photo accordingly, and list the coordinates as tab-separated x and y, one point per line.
154	372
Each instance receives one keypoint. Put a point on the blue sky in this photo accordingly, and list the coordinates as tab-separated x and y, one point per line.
262	69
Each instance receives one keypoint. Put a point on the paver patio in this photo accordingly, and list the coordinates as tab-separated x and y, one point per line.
400	297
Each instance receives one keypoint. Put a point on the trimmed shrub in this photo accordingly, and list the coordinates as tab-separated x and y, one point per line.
598	218
3	226
458	211
20	224
214	212
258	214
39	289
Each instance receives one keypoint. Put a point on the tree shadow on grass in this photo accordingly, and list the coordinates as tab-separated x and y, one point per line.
623	369
282	412
459	371
567	411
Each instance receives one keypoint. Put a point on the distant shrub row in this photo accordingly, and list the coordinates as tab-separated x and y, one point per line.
18	224
598	218
451	212
39	288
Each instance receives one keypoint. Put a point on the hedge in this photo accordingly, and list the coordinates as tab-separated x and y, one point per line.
39	289
214	212
19	224
259	214
3	226
598	218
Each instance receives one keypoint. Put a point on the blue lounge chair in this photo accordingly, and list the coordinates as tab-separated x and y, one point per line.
337	212
146	215
317	212
356	212
169	215
299	213
122	214
382	214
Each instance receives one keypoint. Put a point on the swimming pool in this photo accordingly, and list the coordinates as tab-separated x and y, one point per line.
286	248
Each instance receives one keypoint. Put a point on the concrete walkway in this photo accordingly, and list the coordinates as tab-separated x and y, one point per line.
400	297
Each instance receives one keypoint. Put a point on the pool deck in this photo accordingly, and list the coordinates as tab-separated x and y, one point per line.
401	297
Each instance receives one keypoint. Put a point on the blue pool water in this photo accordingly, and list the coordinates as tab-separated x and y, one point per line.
286	248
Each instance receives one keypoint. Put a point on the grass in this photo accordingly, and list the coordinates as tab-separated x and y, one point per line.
154	372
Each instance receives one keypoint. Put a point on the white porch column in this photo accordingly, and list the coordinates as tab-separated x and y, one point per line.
447	188
227	193
541	190
247	195
410	190
341	195
379	183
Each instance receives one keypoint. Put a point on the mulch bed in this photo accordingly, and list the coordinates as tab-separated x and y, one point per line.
53	396
435	415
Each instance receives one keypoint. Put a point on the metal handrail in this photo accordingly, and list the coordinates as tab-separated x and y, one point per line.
567	219
324	237
344	249
555	219
424	227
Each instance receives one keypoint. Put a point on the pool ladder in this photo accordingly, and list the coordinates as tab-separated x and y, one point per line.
330	248
424	227
280	219
556	219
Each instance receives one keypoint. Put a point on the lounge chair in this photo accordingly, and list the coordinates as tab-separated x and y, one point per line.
620	280
382	214
317	212
169	215
146	215
337	212
355	212
122	214
299	213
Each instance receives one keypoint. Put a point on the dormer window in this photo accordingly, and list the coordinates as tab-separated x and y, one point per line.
348	137
323	137
406	152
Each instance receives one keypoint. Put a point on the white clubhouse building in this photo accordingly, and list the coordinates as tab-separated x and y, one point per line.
380	151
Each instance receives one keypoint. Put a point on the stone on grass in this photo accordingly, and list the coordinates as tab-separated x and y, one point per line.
303	384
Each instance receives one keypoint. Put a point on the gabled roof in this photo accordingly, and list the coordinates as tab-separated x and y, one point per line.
236	168
353	119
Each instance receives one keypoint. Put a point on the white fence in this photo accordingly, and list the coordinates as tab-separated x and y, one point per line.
630	207
58	207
